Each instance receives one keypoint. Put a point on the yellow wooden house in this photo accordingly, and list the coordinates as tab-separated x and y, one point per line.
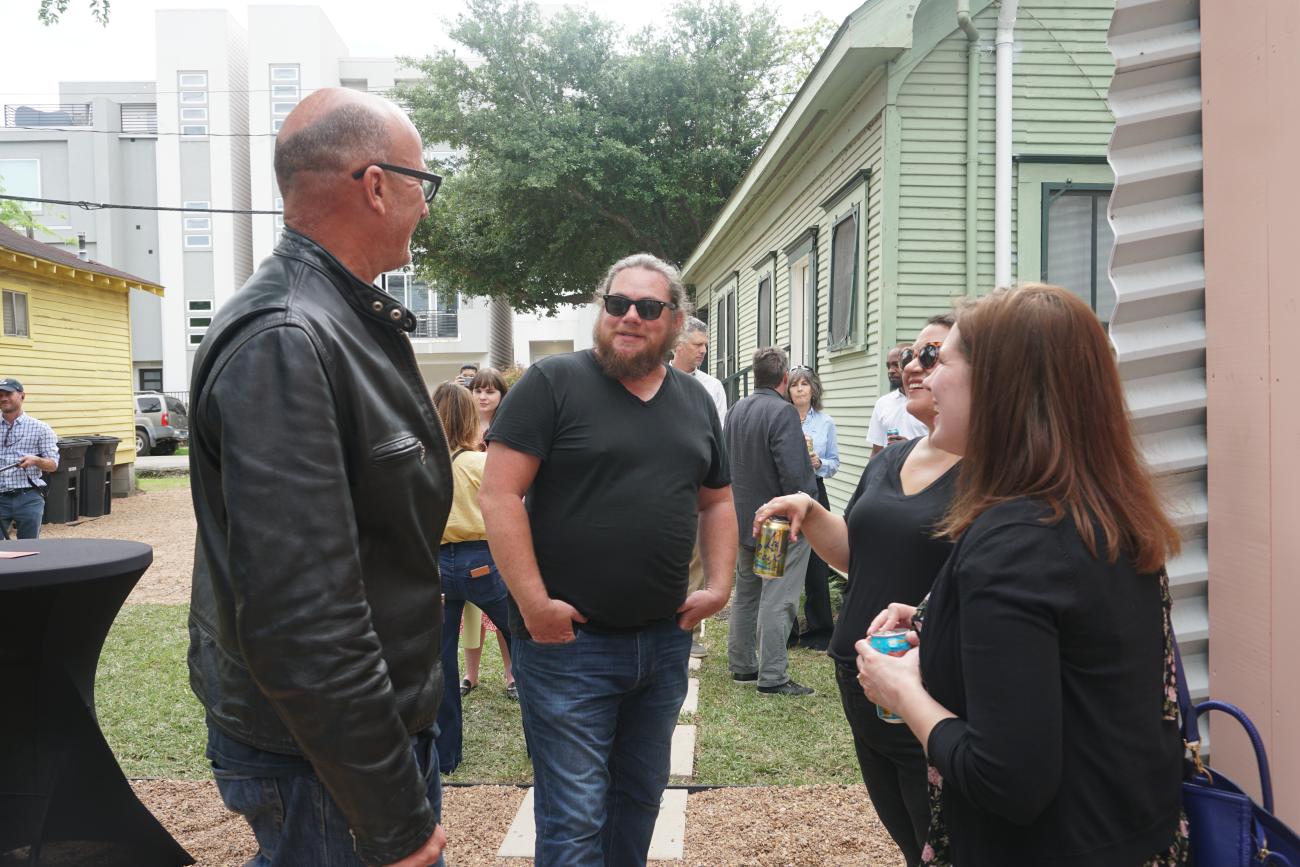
67	338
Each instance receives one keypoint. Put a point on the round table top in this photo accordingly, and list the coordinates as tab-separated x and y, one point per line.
69	561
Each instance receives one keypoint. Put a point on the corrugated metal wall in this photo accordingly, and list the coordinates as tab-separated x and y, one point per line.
1158	268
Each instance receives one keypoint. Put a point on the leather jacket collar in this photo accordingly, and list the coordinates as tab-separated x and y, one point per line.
369	300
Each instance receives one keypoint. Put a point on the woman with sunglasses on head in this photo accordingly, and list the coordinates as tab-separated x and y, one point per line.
805	392
468	571
1043	688
488	388
886	545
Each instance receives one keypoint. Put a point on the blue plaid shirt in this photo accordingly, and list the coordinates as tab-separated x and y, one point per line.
25	436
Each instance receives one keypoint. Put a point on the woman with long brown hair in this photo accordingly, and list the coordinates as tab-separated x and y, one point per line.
1041	688
489	387
468	571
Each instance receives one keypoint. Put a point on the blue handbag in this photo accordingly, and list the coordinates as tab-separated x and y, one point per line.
1227	828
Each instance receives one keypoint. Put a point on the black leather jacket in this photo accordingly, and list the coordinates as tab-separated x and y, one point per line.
321	484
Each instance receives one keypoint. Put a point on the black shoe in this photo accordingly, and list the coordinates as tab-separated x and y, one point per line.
787	688
746	678
818	644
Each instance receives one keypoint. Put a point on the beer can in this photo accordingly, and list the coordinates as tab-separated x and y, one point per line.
892	642
808	439
773	542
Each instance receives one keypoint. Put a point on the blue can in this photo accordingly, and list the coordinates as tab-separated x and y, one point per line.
894	643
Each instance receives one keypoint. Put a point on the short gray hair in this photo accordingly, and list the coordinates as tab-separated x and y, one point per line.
694	326
676	289
337	142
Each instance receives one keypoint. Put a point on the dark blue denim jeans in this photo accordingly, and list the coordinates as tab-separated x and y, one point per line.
293	817
26	508
599	714
455	562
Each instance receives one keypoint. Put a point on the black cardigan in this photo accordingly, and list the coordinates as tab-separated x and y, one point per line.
1053	662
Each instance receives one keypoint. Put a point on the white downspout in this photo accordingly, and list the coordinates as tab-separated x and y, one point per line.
1006	39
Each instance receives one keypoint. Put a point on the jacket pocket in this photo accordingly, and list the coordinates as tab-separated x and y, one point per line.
397	448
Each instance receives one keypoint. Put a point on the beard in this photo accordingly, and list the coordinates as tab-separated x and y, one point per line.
622	366
896	383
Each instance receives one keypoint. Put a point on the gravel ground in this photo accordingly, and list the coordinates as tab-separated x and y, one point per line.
163	519
805	826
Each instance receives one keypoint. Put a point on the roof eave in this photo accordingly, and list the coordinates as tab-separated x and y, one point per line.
23	262
870	37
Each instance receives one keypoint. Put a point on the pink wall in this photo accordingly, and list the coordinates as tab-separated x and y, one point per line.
1251	92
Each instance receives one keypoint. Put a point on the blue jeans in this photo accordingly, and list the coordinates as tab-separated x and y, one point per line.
455	562
293	817
25	507
599	714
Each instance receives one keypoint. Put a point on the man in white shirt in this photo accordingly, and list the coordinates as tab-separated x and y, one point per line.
890	420
688	355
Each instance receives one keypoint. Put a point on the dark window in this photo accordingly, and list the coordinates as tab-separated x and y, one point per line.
151	379
765	312
725	348
1076	243
148	404
844	280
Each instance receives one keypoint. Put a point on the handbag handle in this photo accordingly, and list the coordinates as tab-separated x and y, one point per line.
1189	714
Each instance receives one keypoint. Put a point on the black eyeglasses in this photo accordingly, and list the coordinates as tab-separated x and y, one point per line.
428	180
646	308
928	356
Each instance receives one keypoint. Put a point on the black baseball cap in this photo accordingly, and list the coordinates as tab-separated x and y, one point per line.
10	384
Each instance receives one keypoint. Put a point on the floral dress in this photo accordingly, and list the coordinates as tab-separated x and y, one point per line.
938	849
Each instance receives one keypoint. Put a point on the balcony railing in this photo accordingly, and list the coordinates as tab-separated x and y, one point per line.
736	386
431	325
65	114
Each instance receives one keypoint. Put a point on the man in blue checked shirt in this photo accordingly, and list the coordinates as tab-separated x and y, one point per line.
28	447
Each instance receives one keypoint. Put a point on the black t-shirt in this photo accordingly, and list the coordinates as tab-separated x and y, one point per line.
614	505
893	554
1054	662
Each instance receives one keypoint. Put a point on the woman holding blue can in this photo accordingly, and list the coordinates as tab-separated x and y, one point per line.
1043	686
886	543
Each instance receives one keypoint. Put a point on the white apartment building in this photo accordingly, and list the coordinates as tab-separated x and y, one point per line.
202	136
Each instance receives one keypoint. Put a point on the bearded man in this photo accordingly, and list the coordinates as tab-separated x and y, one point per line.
606	445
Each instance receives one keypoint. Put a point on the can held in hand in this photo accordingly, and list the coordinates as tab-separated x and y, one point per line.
773	542
809	440
892	642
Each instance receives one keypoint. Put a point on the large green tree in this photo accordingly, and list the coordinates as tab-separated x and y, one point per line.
580	146
50	11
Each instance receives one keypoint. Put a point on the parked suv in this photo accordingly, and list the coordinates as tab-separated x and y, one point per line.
161	424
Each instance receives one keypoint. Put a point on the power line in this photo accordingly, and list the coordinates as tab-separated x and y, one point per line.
104	206
140	134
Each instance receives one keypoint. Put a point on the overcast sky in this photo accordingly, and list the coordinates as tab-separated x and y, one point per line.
36	58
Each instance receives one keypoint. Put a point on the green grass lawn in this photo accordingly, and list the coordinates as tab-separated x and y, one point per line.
155	725
162	483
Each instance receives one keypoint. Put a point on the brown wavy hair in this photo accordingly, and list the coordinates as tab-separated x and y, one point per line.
455	406
1048	421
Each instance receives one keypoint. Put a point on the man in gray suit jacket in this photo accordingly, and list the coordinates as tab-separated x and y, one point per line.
769	458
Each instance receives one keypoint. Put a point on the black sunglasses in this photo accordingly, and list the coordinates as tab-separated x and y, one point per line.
647	308
928	356
428	180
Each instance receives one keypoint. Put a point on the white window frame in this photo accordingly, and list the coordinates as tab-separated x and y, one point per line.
196	339
198	242
193	97
30	207
284	91
197	224
277	69
201	305
281	108
10	297
277	124
194	130
198	115
187	80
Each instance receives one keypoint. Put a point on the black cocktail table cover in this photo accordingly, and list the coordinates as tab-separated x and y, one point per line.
63	798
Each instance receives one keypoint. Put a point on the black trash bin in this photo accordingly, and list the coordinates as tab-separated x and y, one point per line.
63	486
97	478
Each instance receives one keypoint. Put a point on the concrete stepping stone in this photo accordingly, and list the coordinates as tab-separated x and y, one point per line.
682	763
692	702
694	664
667	844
